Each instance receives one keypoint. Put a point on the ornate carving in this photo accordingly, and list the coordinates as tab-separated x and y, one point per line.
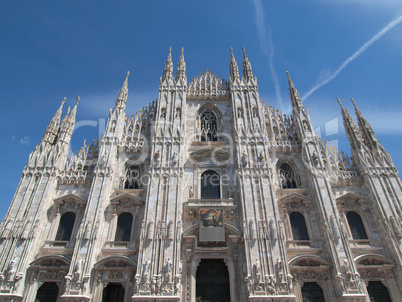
207	84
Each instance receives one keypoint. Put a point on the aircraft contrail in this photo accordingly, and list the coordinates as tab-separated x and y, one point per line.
345	63
267	46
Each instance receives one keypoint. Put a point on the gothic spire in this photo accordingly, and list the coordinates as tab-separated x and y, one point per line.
68	123
122	96
247	70
53	127
295	99
234	69
365	128
168	71
352	131
181	67
74	112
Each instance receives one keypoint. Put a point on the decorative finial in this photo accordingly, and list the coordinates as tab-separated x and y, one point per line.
169	59
291	85
127	74
339	102
353	102
78	100
64	99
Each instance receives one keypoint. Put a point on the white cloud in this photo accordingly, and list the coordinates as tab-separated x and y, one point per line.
267	46
25	140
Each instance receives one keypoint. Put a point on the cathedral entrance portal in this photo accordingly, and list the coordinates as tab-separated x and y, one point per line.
212	281
113	293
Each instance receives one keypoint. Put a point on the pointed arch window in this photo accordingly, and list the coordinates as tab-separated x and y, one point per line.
356	226
378	292
210	185
132	178
48	292
208	123
312	292
65	227
287	176
298	224
123	228
113	292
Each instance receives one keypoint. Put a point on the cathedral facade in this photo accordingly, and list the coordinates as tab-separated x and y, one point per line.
206	194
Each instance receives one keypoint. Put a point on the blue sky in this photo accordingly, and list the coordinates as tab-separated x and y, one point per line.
52	49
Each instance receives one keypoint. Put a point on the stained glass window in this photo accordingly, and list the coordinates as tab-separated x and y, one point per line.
287	177
132	180
208	127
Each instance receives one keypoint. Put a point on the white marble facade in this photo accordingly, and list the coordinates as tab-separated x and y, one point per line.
206	172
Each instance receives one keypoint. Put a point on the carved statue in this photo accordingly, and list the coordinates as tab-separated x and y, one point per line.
156	156
180	268
147	266
315	158
347	269
190	192
178	231
150	230
87	232
177	281
170	230
77	269
279	267
257	270
113	126
230	192
66	284
244	159
178	112
249	283
168	269
239	113
261	156
11	267
174	159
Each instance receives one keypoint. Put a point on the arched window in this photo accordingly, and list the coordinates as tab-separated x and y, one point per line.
209	127
356	225
113	292
299	229
123	229
132	179
48	292
210	185
65	227
287	176
378	292
312	292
